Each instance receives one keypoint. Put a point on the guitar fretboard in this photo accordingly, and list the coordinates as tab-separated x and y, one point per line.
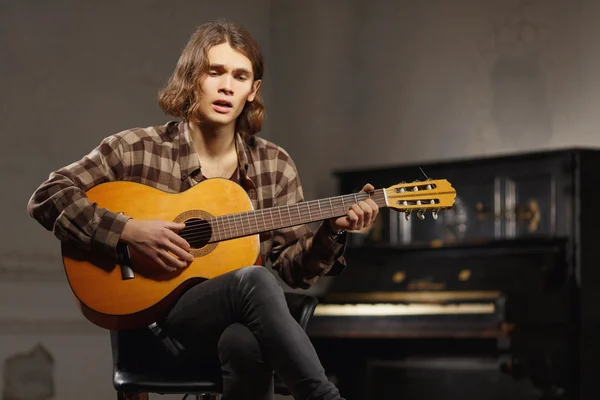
252	222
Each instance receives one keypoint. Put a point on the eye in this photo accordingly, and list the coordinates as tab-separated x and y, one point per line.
241	77
212	73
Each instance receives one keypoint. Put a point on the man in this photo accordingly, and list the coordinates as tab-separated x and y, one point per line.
241	317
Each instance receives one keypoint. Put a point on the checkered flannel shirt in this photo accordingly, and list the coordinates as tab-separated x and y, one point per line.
164	157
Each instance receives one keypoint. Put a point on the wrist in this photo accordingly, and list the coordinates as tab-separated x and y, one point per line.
126	234
334	231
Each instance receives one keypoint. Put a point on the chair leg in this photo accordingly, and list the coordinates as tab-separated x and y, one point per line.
132	396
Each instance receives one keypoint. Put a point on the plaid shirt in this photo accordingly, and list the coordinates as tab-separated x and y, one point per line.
164	157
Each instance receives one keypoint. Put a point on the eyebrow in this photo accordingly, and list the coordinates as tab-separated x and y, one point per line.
238	70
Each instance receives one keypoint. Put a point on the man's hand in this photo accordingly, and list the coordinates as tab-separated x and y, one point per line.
359	216
159	242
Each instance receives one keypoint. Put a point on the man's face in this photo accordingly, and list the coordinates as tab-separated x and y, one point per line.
227	86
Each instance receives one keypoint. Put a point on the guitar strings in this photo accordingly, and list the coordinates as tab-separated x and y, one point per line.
263	212
207	227
204	229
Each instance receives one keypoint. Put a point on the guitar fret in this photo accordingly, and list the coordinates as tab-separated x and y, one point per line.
272	223
222	227
320	212
235	225
227	227
280	217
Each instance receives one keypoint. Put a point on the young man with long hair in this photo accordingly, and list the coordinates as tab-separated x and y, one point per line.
241	317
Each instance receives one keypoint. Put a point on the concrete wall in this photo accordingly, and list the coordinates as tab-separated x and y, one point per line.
396	82
349	84
72	73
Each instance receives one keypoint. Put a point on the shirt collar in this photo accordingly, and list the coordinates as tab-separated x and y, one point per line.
190	162
188	158
243	151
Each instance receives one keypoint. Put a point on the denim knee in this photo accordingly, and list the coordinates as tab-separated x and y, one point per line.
239	351
257	277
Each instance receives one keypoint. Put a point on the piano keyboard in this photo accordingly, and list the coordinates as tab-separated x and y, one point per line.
381	309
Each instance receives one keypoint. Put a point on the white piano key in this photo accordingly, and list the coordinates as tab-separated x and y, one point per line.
402	309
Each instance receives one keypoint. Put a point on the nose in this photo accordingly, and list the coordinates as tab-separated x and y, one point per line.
226	84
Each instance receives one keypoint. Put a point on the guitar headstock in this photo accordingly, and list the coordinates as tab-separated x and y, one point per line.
420	196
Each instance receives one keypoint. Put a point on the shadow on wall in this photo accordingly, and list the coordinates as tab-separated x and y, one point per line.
29	376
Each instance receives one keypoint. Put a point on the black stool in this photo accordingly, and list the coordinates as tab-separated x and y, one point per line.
142	364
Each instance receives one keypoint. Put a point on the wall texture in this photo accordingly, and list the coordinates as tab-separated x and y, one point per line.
72	73
349	84
395	82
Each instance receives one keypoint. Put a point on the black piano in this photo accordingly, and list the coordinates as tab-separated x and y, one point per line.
494	299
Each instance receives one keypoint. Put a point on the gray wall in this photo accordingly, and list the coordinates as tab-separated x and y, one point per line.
71	73
394	82
349	84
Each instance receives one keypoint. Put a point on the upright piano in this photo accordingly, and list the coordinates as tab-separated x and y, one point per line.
496	298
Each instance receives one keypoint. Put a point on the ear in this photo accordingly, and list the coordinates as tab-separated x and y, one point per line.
254	90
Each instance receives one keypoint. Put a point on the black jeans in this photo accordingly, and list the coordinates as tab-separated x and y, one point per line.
242	319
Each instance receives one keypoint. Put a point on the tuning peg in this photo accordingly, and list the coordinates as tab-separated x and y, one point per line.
415	189
421	215
434	213
407	214
429	187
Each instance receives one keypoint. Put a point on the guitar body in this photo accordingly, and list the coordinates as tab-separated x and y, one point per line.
113	301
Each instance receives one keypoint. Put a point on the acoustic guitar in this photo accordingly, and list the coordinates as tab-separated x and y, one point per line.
223	230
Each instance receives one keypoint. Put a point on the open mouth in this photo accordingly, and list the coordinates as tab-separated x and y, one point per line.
222	106
223	103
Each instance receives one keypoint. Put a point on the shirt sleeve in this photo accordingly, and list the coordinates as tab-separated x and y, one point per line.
61	205
299	255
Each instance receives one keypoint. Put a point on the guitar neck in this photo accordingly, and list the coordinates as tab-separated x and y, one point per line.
252	222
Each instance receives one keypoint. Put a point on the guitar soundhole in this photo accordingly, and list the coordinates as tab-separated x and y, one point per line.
197	231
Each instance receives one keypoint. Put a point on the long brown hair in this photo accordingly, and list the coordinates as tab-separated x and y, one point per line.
179	97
